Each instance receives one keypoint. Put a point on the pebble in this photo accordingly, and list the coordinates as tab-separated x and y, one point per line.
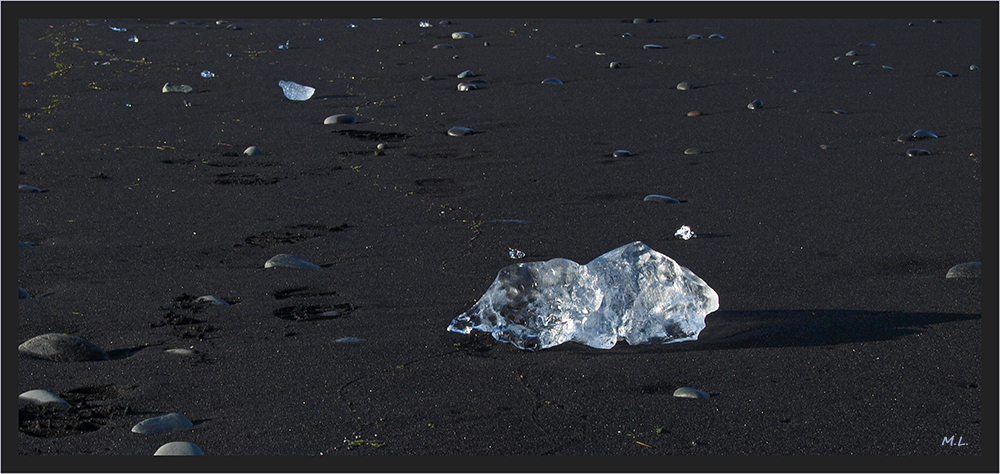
340	118
182	88
716	36
688	392
643	20
211	299
182	352
461	35
162	424
971	68
296	91
839	111
466	73
61	348
443	46
683	86
695	37
621	153
858	63
43	397
945	74
459	131
693	113
851	53
756	104
253	151
917	152
427	78
826	147
921	133
652	46
965	270
551	80
693	151
465	86
179	448
290	261
615	65
660	198
24	188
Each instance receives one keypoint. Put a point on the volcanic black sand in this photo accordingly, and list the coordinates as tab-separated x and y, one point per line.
838	333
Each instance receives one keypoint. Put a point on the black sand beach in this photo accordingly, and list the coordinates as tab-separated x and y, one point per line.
838	332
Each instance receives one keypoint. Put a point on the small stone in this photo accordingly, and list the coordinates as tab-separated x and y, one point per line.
615	65
839	112
693	113
461	35
459	131
756	104
443	46
693	151
966	270
62	348
973	68
851	53
182	88
695	37
179	448
380	147
683	86
253	151
826	147
688	392
466	73
24	188
944	74
290	261
660	198
921	133
716	36
652	46
465	86
340	119
917	152
904	138
162	424
427	78
551	80
621	153
44	398
211	299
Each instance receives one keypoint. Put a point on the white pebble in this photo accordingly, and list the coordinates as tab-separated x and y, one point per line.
162	424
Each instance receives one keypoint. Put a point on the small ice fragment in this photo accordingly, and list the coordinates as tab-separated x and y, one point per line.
352	25
133	39
117	28
515	253
207	74
425	24
295	91
684	233
284	46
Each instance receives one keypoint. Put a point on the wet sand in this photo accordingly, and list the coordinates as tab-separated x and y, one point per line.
838	333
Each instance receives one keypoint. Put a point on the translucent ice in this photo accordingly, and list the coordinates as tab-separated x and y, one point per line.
295	91
633	293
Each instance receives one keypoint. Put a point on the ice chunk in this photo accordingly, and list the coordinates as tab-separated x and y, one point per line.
684	232
296	91
633	293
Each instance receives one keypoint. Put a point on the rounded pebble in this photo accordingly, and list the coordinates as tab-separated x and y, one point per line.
461	35
660	198
716	36
179	448
43	397
683	86
465	86
466	73
551	80
688	392
904	138
182	88
945	74
61	348
917	152
443	46
427	78
973	67
695	37
615	65
211	299
921	133
340	118
966	270
851	53
253	151
756	104
290	261
459	131
162	424
693	113
858	63
693	151
621	153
